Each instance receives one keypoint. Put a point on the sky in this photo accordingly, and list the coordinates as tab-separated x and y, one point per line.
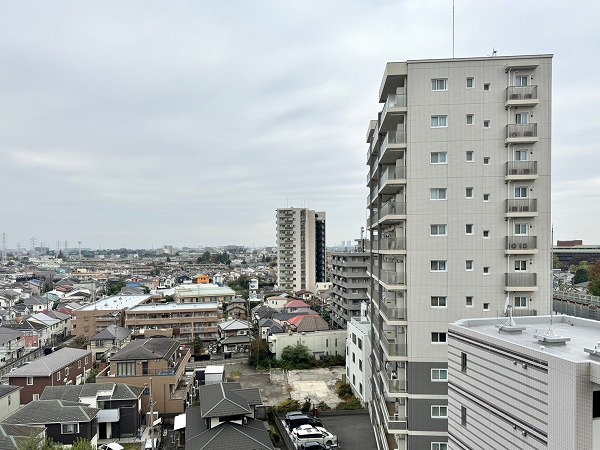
143	123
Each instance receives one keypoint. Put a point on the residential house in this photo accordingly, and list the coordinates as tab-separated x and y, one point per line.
237	309
36	303
109	341
296	306
120	405
57	325
14	437
155	363
234	336
277	301
65	421
268	327
10	400
64	366
307	323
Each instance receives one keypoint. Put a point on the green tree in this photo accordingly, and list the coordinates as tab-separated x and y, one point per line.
288	405
259	355
581	276
556	262
204	259
82	444
38	443
594	279
198	346
79	342
297	357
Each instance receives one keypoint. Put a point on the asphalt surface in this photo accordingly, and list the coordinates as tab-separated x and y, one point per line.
354	432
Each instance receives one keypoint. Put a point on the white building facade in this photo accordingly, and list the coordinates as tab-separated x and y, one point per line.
459	222
320	343
358	352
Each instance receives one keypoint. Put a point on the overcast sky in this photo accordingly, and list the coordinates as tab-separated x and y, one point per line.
144	123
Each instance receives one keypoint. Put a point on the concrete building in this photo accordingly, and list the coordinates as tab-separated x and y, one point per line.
358	352
350	281
300	249
320	343
535	385
459	220
197	293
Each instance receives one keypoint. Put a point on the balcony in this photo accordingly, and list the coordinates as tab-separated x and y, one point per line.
521	96
521	170
393	347
521	133
520	282
521	207
374	146
393	386
392	147
392	180
392	313
391	245
390	212
393	280
393	111
520	245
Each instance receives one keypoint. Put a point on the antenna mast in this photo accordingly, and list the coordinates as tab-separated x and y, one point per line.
452	28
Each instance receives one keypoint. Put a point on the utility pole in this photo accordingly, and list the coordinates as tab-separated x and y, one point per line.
3	248
151	416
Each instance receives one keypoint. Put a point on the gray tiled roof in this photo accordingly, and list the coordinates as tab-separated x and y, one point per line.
8	334
219	400
152	348
75	393
112	332
52	411
226	436
49	364
6	389
245	339
12	436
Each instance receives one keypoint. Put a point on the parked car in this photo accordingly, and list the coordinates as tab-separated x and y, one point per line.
304	434
314	445
296	418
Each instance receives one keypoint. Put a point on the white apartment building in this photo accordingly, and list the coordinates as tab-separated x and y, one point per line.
358	352
300	249
533	386
349	283
459	222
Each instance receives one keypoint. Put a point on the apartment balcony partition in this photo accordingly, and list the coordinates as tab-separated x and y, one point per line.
520	281
392	313
520	245
521	207
390	212
392	180
392	147
521	170
393	111
521	96
393	347
384	244
517	133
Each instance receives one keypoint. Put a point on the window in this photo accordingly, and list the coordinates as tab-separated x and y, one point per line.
439	158
438	265
438	302
463	362
353	357
66	371
486	270
486	234
58	376
353	338
29	381
354	379
125	369
438	229
469	301
520	192
437	193
439	121
520	265
469	156
439	84
486	124
469	265
522	118
360	389
439	445
438	337
470	82
359	343
9	400
469	228
522	80
36	397
439	412
69	428
521	229
469	119
521	155
486	197
486	160
520	302
486	306
486	86
360	365
439	374
79	364
463	415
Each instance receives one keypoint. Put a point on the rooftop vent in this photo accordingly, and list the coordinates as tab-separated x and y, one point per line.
593	351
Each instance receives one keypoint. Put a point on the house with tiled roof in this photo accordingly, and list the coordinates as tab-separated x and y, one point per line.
226	420
10	400
295	305
234	335
15	437
65	421
109	341
11	344
308	323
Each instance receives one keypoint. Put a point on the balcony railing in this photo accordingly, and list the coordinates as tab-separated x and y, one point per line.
392	312
516	131
520	280
392	174
389	244
397	423
521	205
390	277
521	168
393	347
521	243
394	386
521	92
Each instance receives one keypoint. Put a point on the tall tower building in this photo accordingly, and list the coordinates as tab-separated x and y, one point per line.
300	249
459	223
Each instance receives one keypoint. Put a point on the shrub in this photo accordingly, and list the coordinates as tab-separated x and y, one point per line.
323	406
343	390
288	405
306	406
350	403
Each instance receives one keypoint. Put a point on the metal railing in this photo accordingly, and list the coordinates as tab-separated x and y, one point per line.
392	174
392	277
393	101
389	244
521	205
518	130
520	243
521	168
393	347
521	92
520	280
585	299
392	312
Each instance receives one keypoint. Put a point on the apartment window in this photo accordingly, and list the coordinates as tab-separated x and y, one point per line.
486	234
439	121
437	193
353	338
354	380
439	374
66	371
360	365
438	302
439	445
469	156
520	192
521	155
470	82
486	197
520	302
486	86
69	428
469	192
79	364
29	381
486	306
520	265
439	158
486	124
438	337
469	301
359	344
439	412
9	400
521	229
469	228
463	362
522	118
438	265
469	265
438	229
486	160
522	80
58	376
36	397
353	357
360	389
125	369
463	415
439	84
486	270
469	119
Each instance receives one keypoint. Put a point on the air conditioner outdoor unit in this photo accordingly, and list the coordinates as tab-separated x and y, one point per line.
528	95
514	96
513	171
525	171
524	246
514	134
525	208
528	133
514	208
513	245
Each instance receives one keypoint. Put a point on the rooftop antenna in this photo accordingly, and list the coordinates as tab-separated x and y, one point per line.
494	52
510	325
452	28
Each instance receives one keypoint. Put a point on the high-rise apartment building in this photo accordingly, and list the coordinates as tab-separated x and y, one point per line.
300	249
349	283
459	223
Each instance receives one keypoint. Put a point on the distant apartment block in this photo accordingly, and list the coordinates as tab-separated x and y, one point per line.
458	222
300	249
350	281
358	353
197	293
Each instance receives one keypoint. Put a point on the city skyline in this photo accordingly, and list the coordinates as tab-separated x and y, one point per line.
136	126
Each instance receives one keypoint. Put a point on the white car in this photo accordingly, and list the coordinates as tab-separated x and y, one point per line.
309	433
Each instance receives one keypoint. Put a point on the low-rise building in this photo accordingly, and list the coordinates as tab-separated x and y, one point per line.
10	400
197	293
358	368
320	343
109	341
12	344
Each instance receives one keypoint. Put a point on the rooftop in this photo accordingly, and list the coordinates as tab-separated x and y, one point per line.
115	302
174	306
49	364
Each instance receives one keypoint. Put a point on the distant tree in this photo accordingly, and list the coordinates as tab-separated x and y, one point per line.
581	276
204	259
79	342
594	279
198	346
37	443
82	444
92	376
556	262
297	357
168	259
61	255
